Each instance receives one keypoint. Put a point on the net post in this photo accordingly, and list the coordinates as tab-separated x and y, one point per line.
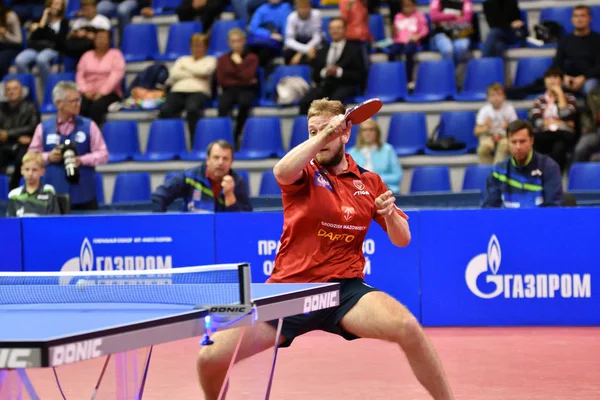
245	279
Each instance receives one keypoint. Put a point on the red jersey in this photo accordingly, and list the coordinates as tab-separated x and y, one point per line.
326	218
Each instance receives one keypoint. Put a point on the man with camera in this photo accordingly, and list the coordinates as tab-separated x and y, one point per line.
72	146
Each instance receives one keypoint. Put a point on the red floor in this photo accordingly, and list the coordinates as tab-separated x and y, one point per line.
482	363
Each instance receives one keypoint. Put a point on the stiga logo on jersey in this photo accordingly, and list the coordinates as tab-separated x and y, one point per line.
88	261
518	286
361	188
348	213
320	180
335	237
320	301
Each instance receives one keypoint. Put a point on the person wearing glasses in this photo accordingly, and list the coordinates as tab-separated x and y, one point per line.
84	134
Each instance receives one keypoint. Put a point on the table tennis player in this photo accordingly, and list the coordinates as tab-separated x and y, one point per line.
329	202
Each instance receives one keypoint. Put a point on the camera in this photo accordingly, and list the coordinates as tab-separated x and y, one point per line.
69	155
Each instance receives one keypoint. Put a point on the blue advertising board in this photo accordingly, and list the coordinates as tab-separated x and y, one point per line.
10	245
509	267
254	238
119	242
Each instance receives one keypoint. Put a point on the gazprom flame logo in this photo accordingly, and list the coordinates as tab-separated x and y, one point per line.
483	263
85	262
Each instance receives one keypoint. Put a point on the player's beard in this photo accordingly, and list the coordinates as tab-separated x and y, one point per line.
334	160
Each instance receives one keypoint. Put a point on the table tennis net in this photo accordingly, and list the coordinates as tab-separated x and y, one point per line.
206	285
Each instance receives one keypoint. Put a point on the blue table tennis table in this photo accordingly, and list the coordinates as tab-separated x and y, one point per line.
53	319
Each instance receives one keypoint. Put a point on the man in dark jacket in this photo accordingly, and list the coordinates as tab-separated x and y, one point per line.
526	179
18	119
506	27
213	186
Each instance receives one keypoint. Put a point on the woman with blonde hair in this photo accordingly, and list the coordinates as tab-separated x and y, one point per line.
371	153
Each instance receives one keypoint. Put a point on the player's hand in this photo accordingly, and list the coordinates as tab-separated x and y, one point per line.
385	203
227	184
337	127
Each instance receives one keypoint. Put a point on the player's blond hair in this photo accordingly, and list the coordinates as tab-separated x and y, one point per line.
325	106
33	156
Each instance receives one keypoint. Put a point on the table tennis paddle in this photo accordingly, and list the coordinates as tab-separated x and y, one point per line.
363	111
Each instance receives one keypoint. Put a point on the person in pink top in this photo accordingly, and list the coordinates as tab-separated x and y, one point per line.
100	74
410	27
452	21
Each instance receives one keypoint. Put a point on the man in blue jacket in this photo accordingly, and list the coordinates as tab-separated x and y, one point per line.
526	179
213	186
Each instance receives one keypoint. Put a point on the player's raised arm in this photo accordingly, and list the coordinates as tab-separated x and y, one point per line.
321	131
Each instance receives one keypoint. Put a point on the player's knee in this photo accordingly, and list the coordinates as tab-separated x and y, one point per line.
409	332
209	361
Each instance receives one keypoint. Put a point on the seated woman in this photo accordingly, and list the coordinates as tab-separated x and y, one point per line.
376	156
11	37
100	74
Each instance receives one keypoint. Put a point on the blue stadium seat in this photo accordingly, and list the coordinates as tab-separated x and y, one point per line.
246	177
72	7
408	133
387	81
435	82
377	28
530	69
165	7
325	27
562	15
481	72
218	43
430	179
523	114
132	187
27	80
178	42
207	131
267	98
595	25
299	131
121	138
140	42
584	176
268	184
48	106
261	139
99	188
476	176
166	141
460	125
4	187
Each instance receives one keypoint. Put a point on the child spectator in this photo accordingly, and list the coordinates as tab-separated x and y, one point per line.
303	34
410	26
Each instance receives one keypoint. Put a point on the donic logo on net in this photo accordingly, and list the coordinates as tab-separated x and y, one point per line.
484	280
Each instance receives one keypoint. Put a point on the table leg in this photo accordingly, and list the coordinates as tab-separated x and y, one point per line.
275	351
12	383
126	368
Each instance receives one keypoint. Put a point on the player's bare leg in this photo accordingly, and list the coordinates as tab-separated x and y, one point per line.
214	360
379	316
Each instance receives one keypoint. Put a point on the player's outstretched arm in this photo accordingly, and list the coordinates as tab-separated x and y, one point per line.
289	169
395	220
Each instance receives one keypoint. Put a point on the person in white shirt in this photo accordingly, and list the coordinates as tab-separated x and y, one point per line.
190	84
491	123
90	18
303	34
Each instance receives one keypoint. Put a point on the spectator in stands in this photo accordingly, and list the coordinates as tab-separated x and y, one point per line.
243	9
373	154
577	55
83	30
506	28
125	10
18	119
589	143
207	11
553	115
237	77
491	124
46	40
33	198
266	30
410	27
100	74
190	82
211	187
356	15
67	124
303	34
526	179
11	37
338	70
452	28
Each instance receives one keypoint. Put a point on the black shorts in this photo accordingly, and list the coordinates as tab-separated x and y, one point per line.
328	320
